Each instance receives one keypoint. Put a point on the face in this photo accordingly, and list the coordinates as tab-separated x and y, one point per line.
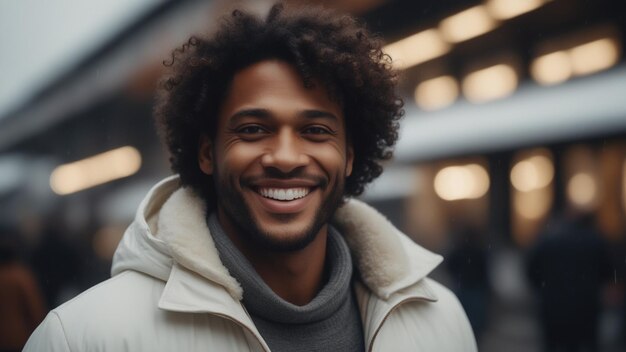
279	159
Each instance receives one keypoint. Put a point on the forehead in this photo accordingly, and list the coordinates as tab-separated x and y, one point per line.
276	86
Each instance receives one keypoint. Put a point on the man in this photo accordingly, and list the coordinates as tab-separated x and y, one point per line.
271	125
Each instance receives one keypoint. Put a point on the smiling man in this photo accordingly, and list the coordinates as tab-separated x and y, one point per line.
256	245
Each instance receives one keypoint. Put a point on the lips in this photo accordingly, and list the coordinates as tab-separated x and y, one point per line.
284	197
284	194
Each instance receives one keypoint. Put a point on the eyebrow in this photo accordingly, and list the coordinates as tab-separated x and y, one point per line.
260	113
315	114
267	114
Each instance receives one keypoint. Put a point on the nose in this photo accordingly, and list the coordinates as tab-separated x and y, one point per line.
285	153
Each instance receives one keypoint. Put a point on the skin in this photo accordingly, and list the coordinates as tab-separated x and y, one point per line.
272	132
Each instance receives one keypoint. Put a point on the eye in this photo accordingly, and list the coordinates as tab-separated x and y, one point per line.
251	129
317	130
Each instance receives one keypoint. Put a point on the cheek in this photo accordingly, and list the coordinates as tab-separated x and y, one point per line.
236	158
331	158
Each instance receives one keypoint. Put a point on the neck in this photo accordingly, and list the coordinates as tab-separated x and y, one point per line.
295	276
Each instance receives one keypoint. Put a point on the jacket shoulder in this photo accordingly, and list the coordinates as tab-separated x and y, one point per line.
49	336
122	314
440	325
102	312
129	289
445	296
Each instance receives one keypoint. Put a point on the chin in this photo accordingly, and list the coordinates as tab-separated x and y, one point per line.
262	230
286	239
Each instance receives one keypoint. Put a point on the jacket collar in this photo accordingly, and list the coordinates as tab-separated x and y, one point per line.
171	220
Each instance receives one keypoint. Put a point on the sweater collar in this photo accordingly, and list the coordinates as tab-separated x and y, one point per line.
171	220
262	302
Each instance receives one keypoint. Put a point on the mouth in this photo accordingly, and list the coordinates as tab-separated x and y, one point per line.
284	194
284	198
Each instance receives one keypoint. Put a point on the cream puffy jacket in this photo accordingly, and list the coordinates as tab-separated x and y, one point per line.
170	292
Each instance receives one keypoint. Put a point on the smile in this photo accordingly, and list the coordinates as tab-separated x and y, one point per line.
284	194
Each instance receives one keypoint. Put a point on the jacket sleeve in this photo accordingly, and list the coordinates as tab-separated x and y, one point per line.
49	336
465	329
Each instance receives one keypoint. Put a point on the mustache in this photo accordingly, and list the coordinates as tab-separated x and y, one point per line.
272	173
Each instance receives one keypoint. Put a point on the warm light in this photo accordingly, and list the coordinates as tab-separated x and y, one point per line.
467	24
462	182
418	48
505	9
594	56
95	170
581	189
491	83
552	68
532	173
436	93
532	205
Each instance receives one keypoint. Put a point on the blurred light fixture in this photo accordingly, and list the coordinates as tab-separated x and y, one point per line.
552	68
594	56
505	9
95	170
589	56
467	24
581	189
490	83
417	48
532	173
436	93
461	182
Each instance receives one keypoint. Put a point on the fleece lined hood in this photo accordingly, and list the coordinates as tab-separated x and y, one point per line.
170	227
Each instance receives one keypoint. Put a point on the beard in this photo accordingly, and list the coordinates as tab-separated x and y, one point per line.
239	214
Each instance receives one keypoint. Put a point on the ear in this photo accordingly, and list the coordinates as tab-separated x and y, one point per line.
349	160
205	155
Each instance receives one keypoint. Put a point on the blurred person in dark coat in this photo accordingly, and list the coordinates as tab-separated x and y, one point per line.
618	289
467	263
568	266
57	264
21	302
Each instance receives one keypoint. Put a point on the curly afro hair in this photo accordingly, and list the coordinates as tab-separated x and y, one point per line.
322	45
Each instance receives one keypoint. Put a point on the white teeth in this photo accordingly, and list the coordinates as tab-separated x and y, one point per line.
284	194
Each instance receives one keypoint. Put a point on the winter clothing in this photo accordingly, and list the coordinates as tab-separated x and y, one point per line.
171	292
330	322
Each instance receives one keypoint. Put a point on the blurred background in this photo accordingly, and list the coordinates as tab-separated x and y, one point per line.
511	161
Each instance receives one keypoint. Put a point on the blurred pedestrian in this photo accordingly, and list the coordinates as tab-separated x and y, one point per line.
467	264
57	264
568	266
21	302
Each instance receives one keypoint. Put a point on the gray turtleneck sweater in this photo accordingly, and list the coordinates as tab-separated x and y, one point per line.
330	322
